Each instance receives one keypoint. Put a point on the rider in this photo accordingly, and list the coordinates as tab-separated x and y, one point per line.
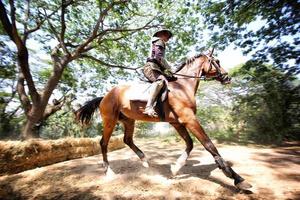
157	70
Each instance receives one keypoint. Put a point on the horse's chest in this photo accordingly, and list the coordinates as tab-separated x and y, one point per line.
182	100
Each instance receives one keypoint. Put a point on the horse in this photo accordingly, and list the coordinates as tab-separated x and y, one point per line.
180	112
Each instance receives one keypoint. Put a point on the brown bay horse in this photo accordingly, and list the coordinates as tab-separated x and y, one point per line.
180	112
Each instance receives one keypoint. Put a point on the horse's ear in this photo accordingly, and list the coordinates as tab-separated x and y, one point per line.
212	51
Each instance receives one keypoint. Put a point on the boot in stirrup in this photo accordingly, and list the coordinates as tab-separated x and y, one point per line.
149	110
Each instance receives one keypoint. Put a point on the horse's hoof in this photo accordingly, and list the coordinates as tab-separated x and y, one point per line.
110	174
243	185
145	164
174	169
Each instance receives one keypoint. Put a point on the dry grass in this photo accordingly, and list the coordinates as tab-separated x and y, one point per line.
17	156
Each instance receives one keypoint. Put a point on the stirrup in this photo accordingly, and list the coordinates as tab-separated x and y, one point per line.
151	112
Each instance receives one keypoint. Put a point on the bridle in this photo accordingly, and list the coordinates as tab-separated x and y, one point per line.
223	77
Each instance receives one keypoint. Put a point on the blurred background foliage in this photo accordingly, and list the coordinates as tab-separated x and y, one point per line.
261	104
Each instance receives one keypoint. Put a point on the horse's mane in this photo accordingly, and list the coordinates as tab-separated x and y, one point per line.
188	62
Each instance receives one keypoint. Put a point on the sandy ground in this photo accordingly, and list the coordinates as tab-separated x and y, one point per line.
273	172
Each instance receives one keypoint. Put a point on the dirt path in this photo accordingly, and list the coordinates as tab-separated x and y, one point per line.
273	172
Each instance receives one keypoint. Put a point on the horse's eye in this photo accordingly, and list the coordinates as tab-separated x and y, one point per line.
217	61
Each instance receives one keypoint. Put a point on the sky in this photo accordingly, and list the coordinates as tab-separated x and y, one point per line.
231	57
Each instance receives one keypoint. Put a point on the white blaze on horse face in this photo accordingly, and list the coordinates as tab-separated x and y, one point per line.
179	163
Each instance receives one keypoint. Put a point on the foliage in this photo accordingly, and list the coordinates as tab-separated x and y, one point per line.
142	128
268	29
261	105
10	121
217	122
63	124
214	111
98	37
267	103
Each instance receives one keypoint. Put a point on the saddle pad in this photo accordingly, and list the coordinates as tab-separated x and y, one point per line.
139	92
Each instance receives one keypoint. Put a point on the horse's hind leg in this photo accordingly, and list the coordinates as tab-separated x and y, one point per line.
128	138
108	127
189	146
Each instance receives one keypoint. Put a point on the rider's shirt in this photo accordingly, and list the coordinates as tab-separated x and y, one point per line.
157	54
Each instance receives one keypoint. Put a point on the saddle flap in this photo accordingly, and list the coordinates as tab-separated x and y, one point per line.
141	92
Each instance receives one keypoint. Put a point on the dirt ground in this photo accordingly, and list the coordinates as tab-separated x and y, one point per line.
273	172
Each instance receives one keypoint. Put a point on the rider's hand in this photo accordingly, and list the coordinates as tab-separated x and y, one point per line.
168	72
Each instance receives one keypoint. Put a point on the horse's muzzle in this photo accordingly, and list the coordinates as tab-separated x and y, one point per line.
224	79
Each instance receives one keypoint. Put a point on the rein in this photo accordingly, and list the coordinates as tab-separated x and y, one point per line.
203	77
199	77
188	76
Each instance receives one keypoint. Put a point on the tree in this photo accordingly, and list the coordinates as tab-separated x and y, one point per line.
261	105
9	119
102	33
69	47
274	34
267	102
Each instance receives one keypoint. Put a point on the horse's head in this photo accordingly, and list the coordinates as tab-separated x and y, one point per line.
213	69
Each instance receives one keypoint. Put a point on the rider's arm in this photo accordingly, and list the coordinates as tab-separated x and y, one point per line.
167	67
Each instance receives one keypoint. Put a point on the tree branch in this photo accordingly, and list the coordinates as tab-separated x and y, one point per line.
22	94
27	15
53	29
132	31
14	112
107	64
12	15
53	80
39	23
94	34
57	105
24	70
62	21
60	36
6	23
64	5
120	30
51	109
13	91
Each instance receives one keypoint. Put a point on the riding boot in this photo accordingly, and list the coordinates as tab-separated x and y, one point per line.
155	89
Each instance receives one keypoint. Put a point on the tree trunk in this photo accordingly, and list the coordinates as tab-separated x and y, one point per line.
41	111
30	130
34	117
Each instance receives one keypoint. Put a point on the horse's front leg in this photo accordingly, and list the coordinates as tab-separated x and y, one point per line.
180	162
194	126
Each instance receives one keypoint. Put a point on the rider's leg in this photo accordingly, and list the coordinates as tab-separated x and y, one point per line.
154	90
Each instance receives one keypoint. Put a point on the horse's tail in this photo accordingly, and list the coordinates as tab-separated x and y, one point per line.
85	113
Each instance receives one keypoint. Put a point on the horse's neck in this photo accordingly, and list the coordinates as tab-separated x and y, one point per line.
193	69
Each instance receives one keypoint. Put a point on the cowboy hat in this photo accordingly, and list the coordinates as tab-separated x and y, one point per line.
163	31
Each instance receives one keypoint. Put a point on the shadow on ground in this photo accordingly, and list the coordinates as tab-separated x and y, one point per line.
198	179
